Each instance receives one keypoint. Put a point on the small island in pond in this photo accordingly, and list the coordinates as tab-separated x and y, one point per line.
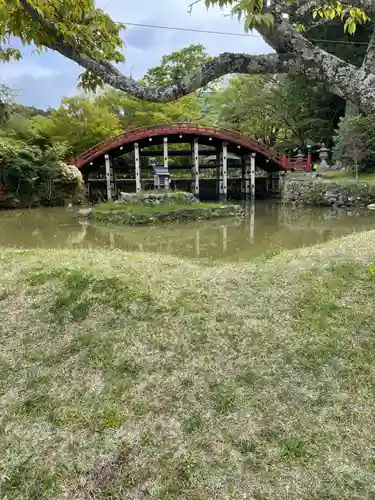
153	207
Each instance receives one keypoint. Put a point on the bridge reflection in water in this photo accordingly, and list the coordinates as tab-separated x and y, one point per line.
200	234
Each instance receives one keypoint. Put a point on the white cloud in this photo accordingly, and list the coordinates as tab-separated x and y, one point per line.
20	69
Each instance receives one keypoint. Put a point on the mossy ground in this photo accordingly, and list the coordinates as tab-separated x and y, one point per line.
143	376
134	214
138	208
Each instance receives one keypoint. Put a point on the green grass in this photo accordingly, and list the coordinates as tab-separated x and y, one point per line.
145	376
138	214
349	176
150	210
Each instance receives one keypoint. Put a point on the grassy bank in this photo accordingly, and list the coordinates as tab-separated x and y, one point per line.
349	176
142	376
134	214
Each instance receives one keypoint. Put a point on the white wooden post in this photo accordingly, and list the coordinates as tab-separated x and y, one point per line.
165	144
137	162
247	176
242	177
252	176
224	167
219	177
109	177
195	169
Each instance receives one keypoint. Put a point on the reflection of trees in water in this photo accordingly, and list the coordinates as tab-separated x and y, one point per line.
191	240
37	228
339	221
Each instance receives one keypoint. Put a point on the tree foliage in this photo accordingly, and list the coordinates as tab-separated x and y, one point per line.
80	122
175	66
33	176
256	12
355	143
277	109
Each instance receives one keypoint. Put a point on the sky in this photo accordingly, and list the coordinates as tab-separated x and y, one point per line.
43	79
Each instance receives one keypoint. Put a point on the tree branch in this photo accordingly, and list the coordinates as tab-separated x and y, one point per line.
190	7
219	66
341	76
368	64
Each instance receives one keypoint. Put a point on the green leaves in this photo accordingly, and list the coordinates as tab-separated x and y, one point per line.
281	111
350	25
252	13
354	140
175	66
75	23
352	15
249	10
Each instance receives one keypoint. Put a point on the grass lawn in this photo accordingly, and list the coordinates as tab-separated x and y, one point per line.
143	376
349	176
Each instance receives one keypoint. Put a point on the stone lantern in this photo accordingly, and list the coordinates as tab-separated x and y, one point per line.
300	155
323	156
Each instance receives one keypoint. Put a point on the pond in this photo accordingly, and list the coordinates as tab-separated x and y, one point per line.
267	227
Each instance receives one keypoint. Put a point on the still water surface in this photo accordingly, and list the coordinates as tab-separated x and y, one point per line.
267	227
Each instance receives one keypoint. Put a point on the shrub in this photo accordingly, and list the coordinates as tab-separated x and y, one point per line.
35	176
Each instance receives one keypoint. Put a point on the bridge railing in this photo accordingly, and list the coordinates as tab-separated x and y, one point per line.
227	134
269	152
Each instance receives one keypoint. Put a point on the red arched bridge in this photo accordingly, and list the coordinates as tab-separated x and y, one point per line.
220	141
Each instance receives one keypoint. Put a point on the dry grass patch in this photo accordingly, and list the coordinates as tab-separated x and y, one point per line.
142	376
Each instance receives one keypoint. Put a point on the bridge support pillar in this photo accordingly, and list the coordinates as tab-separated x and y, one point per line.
195	169
252	176
222	171
246	177
137	163
219	178
165	147
224	164
109	177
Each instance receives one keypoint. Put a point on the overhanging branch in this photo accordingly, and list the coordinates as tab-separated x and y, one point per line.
295	54
219	66
224	64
